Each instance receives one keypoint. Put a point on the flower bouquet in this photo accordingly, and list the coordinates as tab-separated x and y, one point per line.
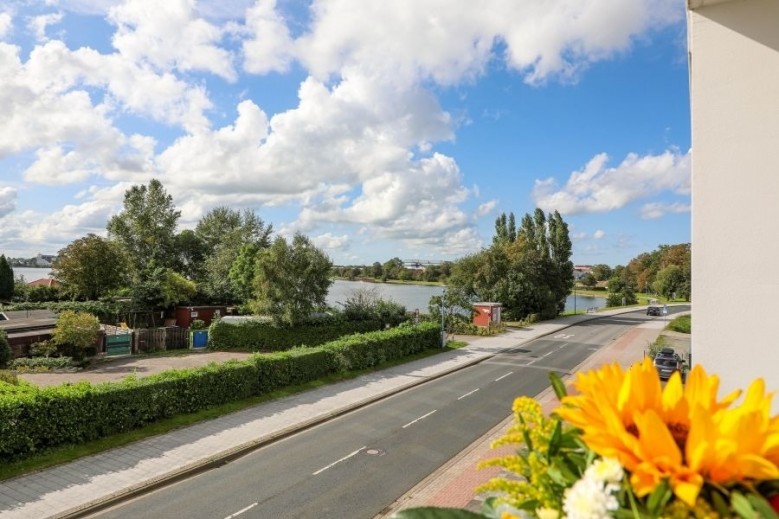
626	447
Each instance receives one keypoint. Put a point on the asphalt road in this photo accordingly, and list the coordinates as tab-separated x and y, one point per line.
357	465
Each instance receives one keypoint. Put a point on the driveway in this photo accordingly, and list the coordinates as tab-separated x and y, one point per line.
116	369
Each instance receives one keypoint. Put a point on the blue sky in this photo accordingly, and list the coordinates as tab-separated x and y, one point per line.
378	129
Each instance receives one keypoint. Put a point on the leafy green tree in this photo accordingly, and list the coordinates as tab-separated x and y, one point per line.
392	269
6	279
291	280
191	255
146	228
5	350
76	331
90	267
588	280
376	270
670	281
242	271
223	231
160	288
601	272
620	291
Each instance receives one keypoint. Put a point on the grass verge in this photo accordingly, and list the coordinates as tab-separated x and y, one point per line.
681	324
68	453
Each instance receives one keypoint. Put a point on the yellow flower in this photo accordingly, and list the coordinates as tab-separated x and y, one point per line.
681	433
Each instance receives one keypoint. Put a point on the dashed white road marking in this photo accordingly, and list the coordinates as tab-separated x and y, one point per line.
504	376
412	422
468	394
336	462
242	510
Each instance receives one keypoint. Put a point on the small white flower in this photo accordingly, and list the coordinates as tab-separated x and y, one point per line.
592	496
607	470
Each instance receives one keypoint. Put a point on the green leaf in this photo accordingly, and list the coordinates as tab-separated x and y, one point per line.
558	385
719	503
555	440
659	498
742	506
762	506
429	512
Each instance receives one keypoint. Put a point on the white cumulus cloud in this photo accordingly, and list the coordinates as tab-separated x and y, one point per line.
599	234
599	188
656	210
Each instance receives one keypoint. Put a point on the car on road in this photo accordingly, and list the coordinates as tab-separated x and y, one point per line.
667	361
654	310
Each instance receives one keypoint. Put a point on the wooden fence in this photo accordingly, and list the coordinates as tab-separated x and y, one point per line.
159	339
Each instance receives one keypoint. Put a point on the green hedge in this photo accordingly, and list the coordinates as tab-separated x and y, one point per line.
33	418
256	335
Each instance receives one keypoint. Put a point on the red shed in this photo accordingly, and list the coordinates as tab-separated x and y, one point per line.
485	314
186	314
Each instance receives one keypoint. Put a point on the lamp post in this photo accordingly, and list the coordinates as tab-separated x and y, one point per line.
574	297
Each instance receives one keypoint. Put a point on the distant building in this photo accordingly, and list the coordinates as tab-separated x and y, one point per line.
44	260
580	270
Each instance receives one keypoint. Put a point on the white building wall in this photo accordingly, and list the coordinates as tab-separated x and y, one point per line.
734	88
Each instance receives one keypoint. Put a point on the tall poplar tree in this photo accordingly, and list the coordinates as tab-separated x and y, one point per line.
6	279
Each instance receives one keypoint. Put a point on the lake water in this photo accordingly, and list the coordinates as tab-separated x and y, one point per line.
418	296
411	296
31	274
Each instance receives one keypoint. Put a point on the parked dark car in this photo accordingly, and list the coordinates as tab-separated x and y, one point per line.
667	361
654	310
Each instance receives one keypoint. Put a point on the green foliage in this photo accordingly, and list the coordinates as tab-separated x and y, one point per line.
291	280
197	324
43	348
90	268
669	281
32	419
620	292
528	269
681	324
223	233
8	377
367	304
258	335
5	349
76	329
41	363
145	228
6	279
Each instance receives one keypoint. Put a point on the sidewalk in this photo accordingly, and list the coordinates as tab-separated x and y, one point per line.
72	489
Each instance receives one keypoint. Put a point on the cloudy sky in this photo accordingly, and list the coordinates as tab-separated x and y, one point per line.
378	128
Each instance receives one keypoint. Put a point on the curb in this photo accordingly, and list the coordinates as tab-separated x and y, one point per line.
228	455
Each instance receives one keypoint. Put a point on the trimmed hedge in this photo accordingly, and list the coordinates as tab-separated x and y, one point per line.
33	418
256	335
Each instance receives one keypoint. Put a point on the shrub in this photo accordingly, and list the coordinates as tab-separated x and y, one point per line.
78	330
8	377
41	363
256	335
681	324
43	348
5	349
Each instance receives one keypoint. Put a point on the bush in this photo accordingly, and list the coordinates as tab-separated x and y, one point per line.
43	349
5	349
34	418
8	377
256	335
41	363
681	324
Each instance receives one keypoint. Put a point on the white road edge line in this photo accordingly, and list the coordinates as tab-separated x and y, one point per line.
336	462
504	376
468	394
239	512
412	422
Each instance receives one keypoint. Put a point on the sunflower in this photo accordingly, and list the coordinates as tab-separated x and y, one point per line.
680	433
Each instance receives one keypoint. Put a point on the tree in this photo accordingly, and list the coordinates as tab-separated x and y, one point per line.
291	280
191	255
242	271
223	231
76	331
620	291
588	280
670	281
601	272
6	279
146	228
90	267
